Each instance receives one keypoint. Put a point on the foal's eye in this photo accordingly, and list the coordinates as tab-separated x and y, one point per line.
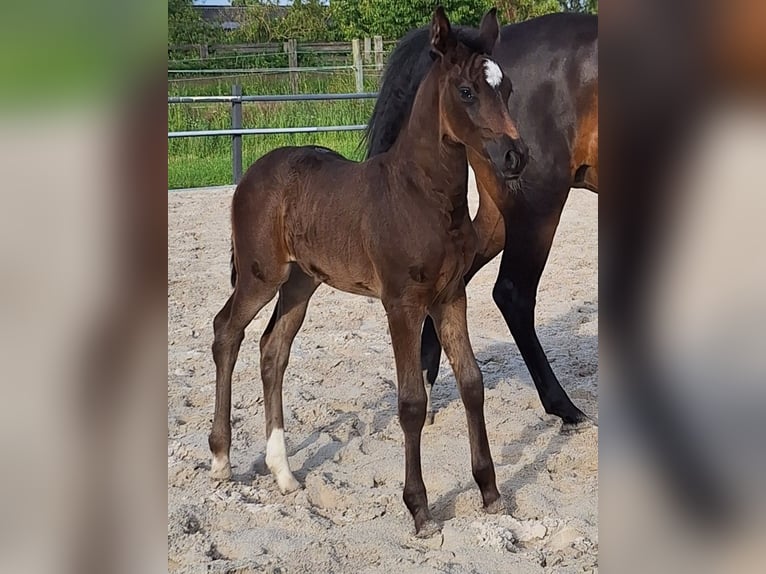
466	94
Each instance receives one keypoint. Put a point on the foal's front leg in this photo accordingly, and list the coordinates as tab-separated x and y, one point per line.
490	240
405	322
451	326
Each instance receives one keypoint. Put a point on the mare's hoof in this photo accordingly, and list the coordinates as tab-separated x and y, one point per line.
429	418
220	469
429	529
496	507
578	426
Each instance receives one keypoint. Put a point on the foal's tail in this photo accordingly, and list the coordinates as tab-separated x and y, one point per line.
233	268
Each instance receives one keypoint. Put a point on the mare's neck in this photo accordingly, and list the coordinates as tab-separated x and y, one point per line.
435	163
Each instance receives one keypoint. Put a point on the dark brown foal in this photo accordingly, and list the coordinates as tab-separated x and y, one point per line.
395	227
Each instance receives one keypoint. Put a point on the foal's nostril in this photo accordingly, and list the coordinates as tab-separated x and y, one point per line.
513	161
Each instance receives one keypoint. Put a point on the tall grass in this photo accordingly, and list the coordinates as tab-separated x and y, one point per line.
196	162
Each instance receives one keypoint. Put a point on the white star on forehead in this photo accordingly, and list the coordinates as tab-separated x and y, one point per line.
492	73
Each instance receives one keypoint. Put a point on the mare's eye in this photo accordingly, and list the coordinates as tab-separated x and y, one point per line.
466	94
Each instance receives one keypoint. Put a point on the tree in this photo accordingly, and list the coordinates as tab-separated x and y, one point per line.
306	20
394	18
267	21
311	20
590	6
257	22
185	25
519	10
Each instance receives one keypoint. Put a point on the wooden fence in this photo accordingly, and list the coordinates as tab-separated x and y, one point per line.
371	45
367	53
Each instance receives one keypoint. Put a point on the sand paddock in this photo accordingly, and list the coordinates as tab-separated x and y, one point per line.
344	440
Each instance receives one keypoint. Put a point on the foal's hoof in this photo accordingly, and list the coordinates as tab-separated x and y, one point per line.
496	507
428	529
220	469
429	418
287	484
578	426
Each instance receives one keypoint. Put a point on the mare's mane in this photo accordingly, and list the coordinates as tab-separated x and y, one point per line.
407	66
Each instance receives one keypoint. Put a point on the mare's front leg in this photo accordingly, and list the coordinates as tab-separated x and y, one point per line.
529	235
405	320
451	325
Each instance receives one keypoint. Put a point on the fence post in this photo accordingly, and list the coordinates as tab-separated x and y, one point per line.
236	140
358	69
291	47
367	50
203	51
378	53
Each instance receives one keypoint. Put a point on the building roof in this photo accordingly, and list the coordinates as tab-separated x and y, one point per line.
211	2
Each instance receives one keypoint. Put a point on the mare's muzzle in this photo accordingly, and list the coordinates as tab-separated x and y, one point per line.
509	156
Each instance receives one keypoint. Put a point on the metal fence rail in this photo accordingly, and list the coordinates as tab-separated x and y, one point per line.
265	131
270	98
264	70
237	131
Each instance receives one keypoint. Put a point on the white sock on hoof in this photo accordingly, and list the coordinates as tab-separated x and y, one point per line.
429	406
276	460
220	467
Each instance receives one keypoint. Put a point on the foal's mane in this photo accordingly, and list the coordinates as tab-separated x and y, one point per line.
407	66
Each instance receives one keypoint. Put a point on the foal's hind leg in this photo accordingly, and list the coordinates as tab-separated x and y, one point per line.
451	324
490	232
249	297
276	341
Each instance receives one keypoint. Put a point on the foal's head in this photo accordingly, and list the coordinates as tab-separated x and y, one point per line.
473	96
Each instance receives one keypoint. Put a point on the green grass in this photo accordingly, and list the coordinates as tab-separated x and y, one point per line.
197	162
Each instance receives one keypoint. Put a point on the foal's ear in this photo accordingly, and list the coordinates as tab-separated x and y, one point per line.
441	33
489	30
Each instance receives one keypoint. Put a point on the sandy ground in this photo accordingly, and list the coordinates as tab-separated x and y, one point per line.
344	440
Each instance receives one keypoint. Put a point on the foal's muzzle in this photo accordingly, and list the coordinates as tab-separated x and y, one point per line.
509	156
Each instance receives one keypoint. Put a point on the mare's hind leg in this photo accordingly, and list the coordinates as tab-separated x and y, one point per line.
276	341
490	232
529	235
249	297
451	324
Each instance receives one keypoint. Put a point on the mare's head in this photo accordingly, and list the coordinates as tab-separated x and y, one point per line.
473	96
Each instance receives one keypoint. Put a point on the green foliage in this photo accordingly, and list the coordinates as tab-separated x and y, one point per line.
589	6
185	25
394	18
256	23
304	20
311	21
511	11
